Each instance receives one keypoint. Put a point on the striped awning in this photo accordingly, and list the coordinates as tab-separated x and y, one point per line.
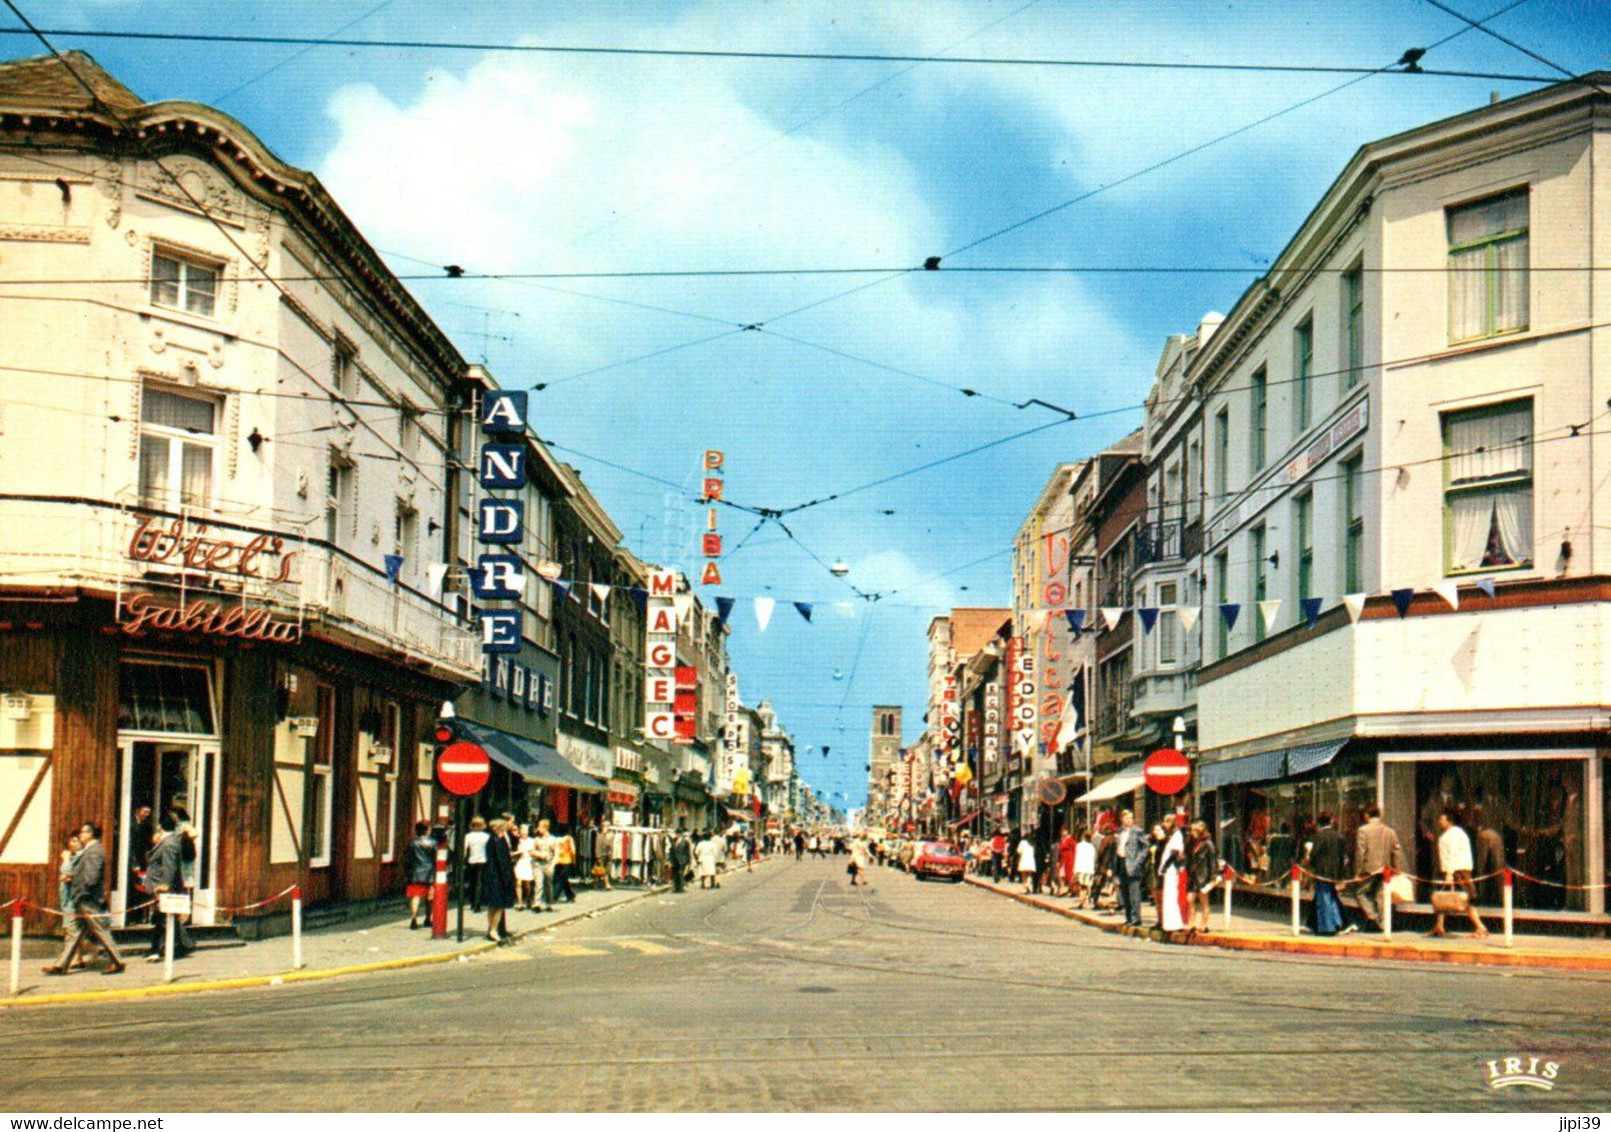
1249	768
1312	756
531	759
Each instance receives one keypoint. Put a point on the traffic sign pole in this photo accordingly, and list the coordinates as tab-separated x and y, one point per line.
458	859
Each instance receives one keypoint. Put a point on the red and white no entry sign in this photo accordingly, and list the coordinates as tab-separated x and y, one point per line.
462	768
1166	771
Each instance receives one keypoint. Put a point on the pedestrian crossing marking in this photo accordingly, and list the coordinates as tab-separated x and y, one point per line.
645	947
511	957
574	950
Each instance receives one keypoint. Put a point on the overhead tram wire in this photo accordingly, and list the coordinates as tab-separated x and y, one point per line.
245	40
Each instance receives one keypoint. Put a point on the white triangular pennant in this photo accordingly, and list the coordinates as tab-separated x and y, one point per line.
1070	725
1188	615
682	605
600	591
1355	604
1037	621
1268	610
1111	615
763	611
435	576
1449	592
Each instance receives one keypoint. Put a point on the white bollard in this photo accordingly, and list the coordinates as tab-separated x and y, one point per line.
296	929
16	947
1230	882
1510	908
1297	902
1387	903
167	947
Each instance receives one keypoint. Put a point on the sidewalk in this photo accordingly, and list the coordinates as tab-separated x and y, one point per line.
1254	929
383	942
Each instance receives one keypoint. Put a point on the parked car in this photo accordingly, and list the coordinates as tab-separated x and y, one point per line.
938	859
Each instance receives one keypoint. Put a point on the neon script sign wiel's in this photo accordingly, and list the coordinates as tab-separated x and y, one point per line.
187	544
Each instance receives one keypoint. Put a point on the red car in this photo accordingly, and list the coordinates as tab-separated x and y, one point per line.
938	859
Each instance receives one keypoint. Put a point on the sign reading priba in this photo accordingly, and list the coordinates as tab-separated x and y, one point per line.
203	615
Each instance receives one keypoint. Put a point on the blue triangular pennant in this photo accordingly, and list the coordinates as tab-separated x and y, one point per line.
394	567
1149	617
1076	620
562	590
724	609
1402	599
1230	611
641	597
1311	609
805	609
1486	585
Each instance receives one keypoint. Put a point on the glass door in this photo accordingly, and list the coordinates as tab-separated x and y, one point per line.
162	777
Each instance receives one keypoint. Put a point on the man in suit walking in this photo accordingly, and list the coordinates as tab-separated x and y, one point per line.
1376	847
682	855
87	895
164	872
1130	866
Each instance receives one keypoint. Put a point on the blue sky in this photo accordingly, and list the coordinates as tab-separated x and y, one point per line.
507	162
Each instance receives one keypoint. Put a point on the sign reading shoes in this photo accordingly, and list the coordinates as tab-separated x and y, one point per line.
500	519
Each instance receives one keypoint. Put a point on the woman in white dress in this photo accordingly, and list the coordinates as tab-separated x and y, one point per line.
707	854
1084	866
525	874
1175	908
1026	863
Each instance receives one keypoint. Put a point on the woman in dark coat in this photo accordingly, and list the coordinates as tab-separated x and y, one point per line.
498	882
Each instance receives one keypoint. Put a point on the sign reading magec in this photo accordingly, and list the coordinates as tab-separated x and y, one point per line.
660	652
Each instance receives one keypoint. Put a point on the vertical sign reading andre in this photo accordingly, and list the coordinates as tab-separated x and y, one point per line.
500	520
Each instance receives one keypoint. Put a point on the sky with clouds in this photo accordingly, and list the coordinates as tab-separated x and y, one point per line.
598	163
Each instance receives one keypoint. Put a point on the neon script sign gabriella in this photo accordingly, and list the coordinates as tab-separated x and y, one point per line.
176	543
205	616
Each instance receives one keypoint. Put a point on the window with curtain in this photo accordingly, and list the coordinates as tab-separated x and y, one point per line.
1306	544
1354	531
1261	581
1303	367
178	446
182	283
1488	487
1488	261
1222	635
1353	320
1261	418
1168	623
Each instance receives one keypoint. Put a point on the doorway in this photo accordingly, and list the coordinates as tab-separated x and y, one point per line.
165	774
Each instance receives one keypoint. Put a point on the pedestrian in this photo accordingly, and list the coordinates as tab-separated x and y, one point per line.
64	873
475	859
564	865
85	914
707	852
1327	862
1066	846
1489	849
1026	863
1376	847
498	882
164	873
419	865
1130	857
1157	841
998	854
544	855
141	838
858	863
1175	906
1454	864
799	844
525	870
603	854
682	856
1107	851
1202	871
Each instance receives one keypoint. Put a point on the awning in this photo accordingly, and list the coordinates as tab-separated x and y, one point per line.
530	759
1126	781
1312	756
1248	768
739	815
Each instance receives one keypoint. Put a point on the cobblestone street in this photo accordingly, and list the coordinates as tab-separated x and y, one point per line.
787	990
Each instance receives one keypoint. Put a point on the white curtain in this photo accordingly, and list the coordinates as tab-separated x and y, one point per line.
1513	511
1472	515
1478	515
1490	444
1468	290
1511	260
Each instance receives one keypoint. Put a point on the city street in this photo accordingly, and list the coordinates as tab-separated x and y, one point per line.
788	990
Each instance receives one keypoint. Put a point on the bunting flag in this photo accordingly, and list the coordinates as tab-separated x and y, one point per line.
1449	592
1268	610
1311	609
1037	620
1112	615
1188	615
394	567
1076	620
1402	599
562	590
724	609
1355	604
435	575
805	609
682	605
602	592
763	611
1149	617
640	597
1231	610
517	584
1069	726
1486	585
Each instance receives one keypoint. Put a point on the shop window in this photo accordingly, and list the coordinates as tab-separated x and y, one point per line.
1265	828
184	283
1488	487
171	698
1488	267
178	448
321	782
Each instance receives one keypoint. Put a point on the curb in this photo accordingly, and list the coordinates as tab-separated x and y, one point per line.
248	981
1360	949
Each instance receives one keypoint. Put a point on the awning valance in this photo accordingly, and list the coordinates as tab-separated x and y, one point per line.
1126	781
531	759
1249	768
1312	756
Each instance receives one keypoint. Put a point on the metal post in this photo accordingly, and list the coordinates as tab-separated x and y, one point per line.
439	896
1387	902
296	928
1297	901
1510	908
167	946
16	946
1230	883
